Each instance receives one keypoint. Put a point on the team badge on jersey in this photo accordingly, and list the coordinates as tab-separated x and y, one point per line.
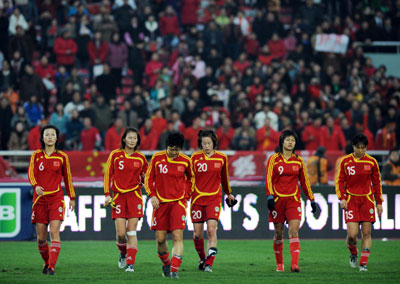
60	209
139	206
217	165
183	217
367	167
181	168
136	164
56	163
217	209
299	209
371	211
295	168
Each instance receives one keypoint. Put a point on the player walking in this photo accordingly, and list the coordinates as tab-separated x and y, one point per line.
126	168
169	184
284	171
47	167
210	169
358	181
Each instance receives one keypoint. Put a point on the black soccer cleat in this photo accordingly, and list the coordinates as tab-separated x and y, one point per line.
45	268
166	270
50	271
202	264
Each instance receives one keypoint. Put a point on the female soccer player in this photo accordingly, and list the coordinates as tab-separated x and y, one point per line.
126	168
169	184
210	169
356	173
46	168
284	171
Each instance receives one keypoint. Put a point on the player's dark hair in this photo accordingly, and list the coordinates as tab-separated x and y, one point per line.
207	133
175	139
130	129
287	133
360	139
42	135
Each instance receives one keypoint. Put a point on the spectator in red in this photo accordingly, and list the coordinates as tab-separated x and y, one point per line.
255	89
169	26
90	137
267	137
252	46
332	137
97	49
189	10
34	136
65	49
44	69
152	70
158	121
191	133
276	47
360	128
311	134
149	136
114	135
386	137
241	64
225	134
314	89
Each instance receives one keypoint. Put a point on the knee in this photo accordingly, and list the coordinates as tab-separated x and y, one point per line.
41	242
293	234
161	242
121	239
211	233
197	236
278	235
352	240
366	235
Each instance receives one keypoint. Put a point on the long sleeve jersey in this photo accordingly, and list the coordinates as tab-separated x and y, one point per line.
47	171
169	179
358	177
283	176
126	172
211	175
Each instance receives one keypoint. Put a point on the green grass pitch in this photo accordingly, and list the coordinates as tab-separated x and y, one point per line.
239	261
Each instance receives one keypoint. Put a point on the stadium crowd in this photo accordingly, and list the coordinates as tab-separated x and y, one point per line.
245	68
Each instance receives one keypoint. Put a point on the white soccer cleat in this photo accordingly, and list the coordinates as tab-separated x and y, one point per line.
208	268
353	261
363	268
122	262
129	268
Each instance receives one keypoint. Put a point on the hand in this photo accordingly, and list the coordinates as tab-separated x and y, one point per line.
231	201
107	201
72	205
343	204
313	207
271	203
155	202
379	209
39	190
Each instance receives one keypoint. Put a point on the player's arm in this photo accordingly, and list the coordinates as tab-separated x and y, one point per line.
376	183
225	177
150	178
340	181
145	167
32	171
66	171
305	181
108	174
269	176
189	180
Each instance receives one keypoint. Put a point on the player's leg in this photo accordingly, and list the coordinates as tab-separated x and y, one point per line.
177	251
351	240
198	241
365	245
294	226
212	225
120	228
278	246
43	246
55	246
131	244
162	250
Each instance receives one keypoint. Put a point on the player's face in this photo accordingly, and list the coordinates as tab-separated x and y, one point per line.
50	137
289	143
359	150
131	140
207	145
173	151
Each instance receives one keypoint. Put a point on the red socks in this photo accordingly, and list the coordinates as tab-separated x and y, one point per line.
295	250
176	263
54	251
364	256
44	252
353	249
122	249
164	258
131	255
199	246
210	260
278	249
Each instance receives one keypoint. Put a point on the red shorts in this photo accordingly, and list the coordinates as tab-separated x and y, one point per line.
360	209
128	205
169	216
48	208
201	214
286	209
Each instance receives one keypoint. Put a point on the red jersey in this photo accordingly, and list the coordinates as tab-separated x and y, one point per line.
355	177
283	176
209	174
127	172
169	180
47	171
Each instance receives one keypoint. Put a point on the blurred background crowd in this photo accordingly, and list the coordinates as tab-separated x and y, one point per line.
245	68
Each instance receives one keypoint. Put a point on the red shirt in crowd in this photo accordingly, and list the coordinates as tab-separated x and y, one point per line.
333	140
113	139
89	138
